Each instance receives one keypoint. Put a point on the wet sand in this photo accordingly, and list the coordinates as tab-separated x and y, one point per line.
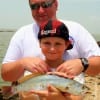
94	84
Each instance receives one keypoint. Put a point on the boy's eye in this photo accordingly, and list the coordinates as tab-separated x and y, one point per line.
46	43
58	43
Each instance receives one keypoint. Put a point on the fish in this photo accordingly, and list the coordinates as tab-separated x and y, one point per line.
40	82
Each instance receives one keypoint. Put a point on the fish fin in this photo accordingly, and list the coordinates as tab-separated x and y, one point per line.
10	96
27	77
6	89
7	92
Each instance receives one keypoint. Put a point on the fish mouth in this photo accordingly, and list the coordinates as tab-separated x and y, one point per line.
7	94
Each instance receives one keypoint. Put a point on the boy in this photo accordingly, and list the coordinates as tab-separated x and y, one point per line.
54	40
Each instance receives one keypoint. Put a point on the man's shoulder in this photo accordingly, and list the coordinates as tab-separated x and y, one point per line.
22	31
70	22
73	26
26	27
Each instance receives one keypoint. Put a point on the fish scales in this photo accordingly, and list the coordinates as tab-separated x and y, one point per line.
42	81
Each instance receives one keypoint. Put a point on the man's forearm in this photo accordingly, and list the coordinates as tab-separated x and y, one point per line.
12	71
94	66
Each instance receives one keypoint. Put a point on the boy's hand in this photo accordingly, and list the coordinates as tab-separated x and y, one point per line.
50	94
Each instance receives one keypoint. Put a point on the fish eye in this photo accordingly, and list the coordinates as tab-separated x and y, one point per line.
67	88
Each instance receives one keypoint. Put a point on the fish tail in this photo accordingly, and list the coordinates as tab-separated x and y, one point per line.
7	92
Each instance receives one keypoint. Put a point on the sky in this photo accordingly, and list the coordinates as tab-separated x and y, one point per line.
16	13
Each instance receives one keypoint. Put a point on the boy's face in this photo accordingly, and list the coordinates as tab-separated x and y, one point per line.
53	47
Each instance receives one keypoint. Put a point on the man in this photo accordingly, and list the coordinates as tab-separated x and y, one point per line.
24	53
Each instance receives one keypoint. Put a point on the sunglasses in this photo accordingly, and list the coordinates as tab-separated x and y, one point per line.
46	4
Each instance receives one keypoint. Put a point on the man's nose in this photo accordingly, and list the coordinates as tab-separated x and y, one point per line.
41	10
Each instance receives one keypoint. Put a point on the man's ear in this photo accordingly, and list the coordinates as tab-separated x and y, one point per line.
56	4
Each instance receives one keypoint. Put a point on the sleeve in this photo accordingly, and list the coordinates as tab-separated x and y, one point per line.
86	44
14	50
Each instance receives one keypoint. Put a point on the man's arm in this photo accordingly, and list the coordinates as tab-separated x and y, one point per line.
94	66
12	71
74	67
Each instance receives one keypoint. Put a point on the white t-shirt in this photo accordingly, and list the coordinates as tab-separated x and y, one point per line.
25	43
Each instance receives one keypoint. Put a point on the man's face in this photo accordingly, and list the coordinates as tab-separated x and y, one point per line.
43	10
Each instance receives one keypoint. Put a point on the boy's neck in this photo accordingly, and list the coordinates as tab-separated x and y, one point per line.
54	63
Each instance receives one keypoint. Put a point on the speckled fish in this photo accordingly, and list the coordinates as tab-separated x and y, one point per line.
40	82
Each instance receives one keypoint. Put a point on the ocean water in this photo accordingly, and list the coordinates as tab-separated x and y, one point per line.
4	42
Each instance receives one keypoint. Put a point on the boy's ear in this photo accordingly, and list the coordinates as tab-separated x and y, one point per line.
40	43
68	43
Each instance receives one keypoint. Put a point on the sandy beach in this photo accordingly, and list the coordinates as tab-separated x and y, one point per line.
94	84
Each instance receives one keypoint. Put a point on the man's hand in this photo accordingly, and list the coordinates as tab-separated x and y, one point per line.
71	67
35	64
